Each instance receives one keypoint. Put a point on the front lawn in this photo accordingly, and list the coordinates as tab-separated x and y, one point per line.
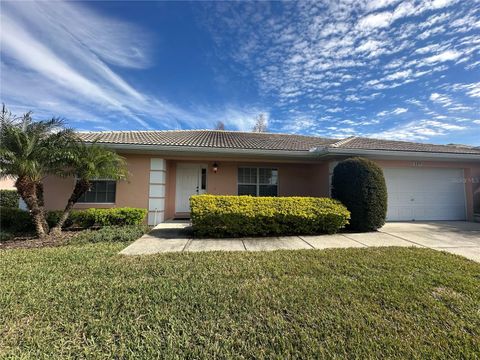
86	301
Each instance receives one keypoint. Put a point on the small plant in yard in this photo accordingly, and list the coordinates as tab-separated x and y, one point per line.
360	185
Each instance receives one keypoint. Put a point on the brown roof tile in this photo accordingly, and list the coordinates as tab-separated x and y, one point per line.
391	145
210	138
261	141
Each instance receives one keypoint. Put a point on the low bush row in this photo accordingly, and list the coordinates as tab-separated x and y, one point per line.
110	234
111	217
17	220
9	198
236	216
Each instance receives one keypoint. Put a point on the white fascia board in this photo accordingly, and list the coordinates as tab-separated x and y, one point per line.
402	154
198	151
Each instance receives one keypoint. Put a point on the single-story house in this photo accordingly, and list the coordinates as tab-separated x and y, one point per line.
424	181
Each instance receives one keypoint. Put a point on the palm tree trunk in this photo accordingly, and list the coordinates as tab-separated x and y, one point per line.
81	187
27	189
41	205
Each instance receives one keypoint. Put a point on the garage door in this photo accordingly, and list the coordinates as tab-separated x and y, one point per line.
425	194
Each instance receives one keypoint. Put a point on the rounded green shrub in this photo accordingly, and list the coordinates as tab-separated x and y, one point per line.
360	185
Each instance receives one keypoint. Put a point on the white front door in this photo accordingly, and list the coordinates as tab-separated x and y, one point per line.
425	194
191	180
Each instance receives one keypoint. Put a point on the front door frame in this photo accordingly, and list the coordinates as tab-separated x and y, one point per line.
179	208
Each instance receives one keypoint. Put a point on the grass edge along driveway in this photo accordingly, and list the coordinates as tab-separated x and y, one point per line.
87	301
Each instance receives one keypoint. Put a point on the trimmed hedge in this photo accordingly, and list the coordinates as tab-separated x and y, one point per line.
236	216
17	220
110	217
9	198
360	185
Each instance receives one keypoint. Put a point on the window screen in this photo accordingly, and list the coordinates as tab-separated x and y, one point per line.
101	191
257	181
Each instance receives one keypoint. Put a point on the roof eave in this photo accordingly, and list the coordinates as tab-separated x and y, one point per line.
209	151
402	154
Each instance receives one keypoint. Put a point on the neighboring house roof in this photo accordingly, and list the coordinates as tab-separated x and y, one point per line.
236	140
211	139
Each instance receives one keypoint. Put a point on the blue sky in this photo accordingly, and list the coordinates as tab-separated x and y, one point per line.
405	70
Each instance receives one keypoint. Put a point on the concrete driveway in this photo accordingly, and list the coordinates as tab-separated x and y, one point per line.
457	237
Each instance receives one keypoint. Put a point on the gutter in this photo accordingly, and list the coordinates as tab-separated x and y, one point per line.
312	154
394	153
199	151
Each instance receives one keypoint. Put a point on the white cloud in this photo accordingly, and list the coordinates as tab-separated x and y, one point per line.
441	99
472	89
396	111
399	75
60	62
399	111
370	45
403	10
418	130
428	49
334	110
447	55
377	20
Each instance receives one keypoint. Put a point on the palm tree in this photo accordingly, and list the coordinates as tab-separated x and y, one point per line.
87	163
30	150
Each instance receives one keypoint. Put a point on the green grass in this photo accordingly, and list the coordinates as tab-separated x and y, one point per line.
88	302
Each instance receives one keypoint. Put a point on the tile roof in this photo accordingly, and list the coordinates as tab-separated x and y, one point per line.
391	145
261	141
211	139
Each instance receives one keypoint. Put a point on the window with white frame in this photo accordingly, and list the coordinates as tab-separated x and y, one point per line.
101	191
257	181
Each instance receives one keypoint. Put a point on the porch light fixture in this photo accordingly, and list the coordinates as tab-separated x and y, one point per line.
215	167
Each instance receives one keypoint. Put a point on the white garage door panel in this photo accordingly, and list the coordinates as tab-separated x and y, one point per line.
425	194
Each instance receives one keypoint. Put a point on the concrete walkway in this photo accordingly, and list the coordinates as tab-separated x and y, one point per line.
457	237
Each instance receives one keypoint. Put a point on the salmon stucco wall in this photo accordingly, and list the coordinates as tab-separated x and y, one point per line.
130	193
293	179
7	184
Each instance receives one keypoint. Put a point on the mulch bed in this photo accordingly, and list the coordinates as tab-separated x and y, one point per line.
32	242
